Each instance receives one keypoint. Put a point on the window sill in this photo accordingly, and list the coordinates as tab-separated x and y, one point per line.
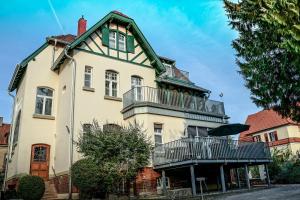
88	89
38	116
112	98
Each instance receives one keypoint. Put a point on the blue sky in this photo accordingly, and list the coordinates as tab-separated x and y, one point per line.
194	33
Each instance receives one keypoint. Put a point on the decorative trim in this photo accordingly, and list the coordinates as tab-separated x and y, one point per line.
91	38
144	60
113	98
88	89
107	56
84	42
38	116
136	56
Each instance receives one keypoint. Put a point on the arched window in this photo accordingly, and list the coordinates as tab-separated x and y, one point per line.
111	83
17	127
136	85
122	42
44	99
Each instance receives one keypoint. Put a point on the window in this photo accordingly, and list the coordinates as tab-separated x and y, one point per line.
273	136
136	85
122	43
160	184
44	98
157	134
256	138
40	154
113	39
196	131
266	137
88	76
17	127
111	83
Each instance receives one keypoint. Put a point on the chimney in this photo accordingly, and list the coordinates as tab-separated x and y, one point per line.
1	121
81	26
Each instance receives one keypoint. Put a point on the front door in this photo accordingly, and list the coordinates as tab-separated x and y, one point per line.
39	165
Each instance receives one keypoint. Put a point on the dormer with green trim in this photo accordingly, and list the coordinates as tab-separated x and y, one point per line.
116	36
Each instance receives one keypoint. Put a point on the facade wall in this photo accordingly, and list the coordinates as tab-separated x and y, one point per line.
35	130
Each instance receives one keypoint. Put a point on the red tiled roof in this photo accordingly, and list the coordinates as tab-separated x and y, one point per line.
263	120
66	38
119	13
4	132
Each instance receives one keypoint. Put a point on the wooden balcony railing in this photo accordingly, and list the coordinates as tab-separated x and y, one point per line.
210	149
172	99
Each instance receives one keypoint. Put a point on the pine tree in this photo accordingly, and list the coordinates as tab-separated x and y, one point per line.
268	51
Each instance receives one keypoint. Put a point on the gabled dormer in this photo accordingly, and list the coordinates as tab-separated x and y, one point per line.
115	36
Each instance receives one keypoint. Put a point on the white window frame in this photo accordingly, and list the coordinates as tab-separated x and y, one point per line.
159	183
158	134
108	78
120	41
136	86
113	40
272	137
44	97
86	72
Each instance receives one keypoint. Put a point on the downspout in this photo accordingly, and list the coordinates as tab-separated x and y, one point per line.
9	149
72	119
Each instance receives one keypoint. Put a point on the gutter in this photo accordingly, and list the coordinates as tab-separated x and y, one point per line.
72	118
10	142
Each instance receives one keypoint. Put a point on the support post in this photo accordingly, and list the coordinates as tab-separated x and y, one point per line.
193	180
237	177
267	175
222	178
247	177
164	182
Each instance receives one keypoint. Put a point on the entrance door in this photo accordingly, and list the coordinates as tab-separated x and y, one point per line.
39	165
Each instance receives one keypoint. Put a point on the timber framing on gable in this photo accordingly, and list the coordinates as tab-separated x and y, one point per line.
91	42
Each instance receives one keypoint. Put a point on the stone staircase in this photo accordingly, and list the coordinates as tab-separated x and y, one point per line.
50	191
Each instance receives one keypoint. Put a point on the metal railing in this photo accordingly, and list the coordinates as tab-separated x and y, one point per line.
173	99
209	148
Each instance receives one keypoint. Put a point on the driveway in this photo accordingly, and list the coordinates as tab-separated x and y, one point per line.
277	192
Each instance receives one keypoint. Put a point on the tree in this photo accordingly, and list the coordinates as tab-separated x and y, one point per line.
118	151
268	51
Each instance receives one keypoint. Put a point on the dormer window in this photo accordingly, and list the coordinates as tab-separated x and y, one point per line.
113	39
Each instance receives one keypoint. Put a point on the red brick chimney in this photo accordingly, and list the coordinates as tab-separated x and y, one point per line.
81	26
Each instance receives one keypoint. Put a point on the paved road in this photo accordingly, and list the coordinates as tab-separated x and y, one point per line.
278	192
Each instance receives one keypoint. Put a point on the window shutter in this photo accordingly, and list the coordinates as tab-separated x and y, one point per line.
275	135
266	137
130	43
105	36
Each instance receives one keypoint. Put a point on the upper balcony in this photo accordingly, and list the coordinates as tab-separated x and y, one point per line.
209	150
171	99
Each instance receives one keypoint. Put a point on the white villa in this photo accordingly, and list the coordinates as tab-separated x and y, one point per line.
111	73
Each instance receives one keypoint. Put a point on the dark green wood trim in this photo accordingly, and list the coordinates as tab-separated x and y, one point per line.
144	61
96	32
115	58
126	44
117	42
108	26
136	45
136	56
84	42
91	38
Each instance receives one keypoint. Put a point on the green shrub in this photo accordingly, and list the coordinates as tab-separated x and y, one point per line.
31	187
85	176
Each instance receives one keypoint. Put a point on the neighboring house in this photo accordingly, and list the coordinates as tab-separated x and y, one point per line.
268	126
113	75
4	134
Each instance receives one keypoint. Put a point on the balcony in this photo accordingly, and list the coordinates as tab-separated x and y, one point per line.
209	150
171	99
